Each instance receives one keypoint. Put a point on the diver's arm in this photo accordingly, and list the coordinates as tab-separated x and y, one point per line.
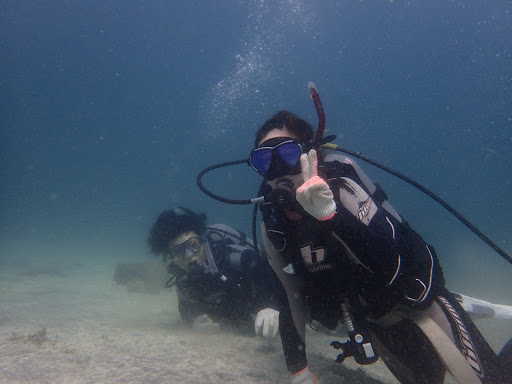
261	299
292	324
261	280
188	310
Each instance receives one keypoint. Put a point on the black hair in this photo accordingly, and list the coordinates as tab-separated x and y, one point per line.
284	119
172	223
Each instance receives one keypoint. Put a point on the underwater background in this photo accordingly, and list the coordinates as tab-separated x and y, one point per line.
109	109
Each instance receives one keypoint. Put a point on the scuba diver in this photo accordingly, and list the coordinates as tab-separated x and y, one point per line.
216	272
342	253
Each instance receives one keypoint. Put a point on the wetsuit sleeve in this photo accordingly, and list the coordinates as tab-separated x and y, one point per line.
378	239
260	280
189	310
292	323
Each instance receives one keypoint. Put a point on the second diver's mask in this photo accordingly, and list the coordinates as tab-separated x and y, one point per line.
277	157
187	249
191	247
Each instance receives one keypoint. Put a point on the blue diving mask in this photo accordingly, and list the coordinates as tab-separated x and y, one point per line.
277	157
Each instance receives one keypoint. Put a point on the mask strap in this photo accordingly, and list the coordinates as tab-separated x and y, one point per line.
317	144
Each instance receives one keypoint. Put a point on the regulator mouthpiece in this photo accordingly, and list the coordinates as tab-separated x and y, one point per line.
282	195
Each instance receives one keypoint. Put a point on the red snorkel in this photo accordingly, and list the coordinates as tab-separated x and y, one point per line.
319	110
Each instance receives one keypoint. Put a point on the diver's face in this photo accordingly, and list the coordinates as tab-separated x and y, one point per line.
186	249
296	180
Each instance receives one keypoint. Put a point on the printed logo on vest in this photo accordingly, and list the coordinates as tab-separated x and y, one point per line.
364	209
354	198
312	255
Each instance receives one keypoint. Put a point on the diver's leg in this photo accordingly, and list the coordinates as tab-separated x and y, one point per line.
408	353
447	312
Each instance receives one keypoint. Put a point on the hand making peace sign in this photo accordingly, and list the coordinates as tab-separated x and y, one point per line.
314	195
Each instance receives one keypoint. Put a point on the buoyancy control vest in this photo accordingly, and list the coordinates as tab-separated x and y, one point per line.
313	247
335	169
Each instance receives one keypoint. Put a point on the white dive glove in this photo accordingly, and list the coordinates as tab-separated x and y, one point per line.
267	323
303	377
314	195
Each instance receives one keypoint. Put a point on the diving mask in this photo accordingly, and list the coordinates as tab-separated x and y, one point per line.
277	157
187	249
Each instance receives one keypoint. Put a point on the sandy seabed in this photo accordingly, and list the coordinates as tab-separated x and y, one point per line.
70	323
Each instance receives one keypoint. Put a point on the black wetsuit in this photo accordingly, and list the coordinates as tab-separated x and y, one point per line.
234	294
370	259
